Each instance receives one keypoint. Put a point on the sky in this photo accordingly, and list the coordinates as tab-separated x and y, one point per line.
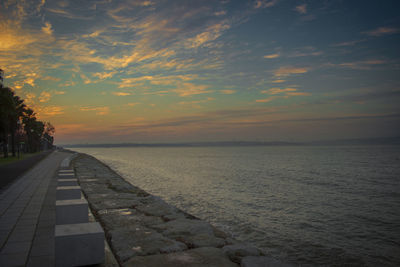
109	71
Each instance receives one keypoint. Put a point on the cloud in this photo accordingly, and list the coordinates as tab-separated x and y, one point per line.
360	65
47	28
228	92
50	78
196	102
44	97
302	9
298	94
67	14
133	104
104	75
189	89
220	13
276	55
274	91
278	81
99	110
67	84
286	71
278	93
269	99
265	3
210	34
121	93
382	31
48	112
29	98
349	43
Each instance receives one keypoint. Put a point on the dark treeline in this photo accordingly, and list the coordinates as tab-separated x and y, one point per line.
19	127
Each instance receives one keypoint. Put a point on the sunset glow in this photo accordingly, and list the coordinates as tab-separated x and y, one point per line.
177	71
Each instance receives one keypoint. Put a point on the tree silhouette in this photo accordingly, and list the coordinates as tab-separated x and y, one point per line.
16	117
7	108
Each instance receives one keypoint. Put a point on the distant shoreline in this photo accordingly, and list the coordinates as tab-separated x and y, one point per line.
341	142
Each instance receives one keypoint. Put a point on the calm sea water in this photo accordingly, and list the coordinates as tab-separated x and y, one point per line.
305	205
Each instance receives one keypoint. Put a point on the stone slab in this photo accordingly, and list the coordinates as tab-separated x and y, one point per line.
66	175
66	171
68	192
72	211
67	182
79	244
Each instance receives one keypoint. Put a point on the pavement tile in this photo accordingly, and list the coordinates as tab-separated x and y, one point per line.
22	236
6	227
43	248
27	222
22	228
46	223
16	248
41	261
45	231
12	260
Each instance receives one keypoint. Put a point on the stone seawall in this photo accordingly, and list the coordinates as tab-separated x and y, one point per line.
143	230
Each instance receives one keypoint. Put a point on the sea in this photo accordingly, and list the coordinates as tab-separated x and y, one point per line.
307	205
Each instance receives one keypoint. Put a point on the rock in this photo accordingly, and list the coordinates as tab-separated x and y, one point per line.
116	203
219	233
253	261
121	187
174	216
129	242
119	218
194	233
113	201
199	257
95	188
156	207
238	251
185	226
202	240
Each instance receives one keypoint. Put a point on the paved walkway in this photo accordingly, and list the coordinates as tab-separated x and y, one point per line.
11	171
27	216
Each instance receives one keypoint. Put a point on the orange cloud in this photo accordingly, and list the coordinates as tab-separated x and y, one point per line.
121	93
210	34
189	89
99	110
49	111
47	28
104	75
228	92
279	81
265	3
44	97
274	91
269	99
276	55
302	9
133	104
286	71
297	94
382	31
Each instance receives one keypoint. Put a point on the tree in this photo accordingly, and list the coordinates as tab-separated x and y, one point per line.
14	114
1	77
48	135
15	119
7	109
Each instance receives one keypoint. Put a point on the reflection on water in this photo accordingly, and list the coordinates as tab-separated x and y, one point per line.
309	205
